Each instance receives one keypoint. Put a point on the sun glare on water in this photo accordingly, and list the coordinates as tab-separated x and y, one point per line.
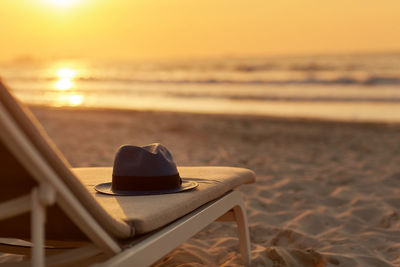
64	84
75	100
67	94
65	78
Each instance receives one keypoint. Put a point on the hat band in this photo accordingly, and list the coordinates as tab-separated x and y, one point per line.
145	183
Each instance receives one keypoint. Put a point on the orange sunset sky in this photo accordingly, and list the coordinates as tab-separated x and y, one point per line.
132	29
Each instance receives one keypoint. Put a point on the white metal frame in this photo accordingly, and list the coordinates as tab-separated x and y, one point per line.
150	248
158	244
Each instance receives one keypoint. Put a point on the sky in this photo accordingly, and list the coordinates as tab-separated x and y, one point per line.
141	29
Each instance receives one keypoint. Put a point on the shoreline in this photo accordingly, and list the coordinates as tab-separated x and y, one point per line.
226	115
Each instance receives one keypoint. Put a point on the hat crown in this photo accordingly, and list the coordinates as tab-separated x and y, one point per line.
146	170
150	160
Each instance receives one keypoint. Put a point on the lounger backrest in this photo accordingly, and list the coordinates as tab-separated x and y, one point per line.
15	180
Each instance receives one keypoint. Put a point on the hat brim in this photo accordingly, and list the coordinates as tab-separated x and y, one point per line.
105	188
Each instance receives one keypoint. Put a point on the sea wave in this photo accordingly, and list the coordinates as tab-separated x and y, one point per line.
227	95
368	81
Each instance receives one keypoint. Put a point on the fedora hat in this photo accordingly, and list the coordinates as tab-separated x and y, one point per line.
146	170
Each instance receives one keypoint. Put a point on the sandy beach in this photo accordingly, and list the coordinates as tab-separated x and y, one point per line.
328	193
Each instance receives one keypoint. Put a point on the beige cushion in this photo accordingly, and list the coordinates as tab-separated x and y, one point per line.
147	213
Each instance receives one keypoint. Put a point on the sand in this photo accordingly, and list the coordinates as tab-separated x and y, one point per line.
328	193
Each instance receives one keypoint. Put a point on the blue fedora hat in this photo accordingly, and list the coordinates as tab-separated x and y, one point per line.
146	170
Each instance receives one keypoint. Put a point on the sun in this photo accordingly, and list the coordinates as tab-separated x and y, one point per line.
62	3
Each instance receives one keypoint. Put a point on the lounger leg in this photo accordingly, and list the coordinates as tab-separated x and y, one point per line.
243	232
38	214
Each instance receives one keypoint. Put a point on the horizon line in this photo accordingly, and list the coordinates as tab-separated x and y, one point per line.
26	59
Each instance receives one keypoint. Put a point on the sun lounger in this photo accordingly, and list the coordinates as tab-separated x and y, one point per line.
55	208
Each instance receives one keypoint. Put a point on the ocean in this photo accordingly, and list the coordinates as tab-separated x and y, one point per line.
357	87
